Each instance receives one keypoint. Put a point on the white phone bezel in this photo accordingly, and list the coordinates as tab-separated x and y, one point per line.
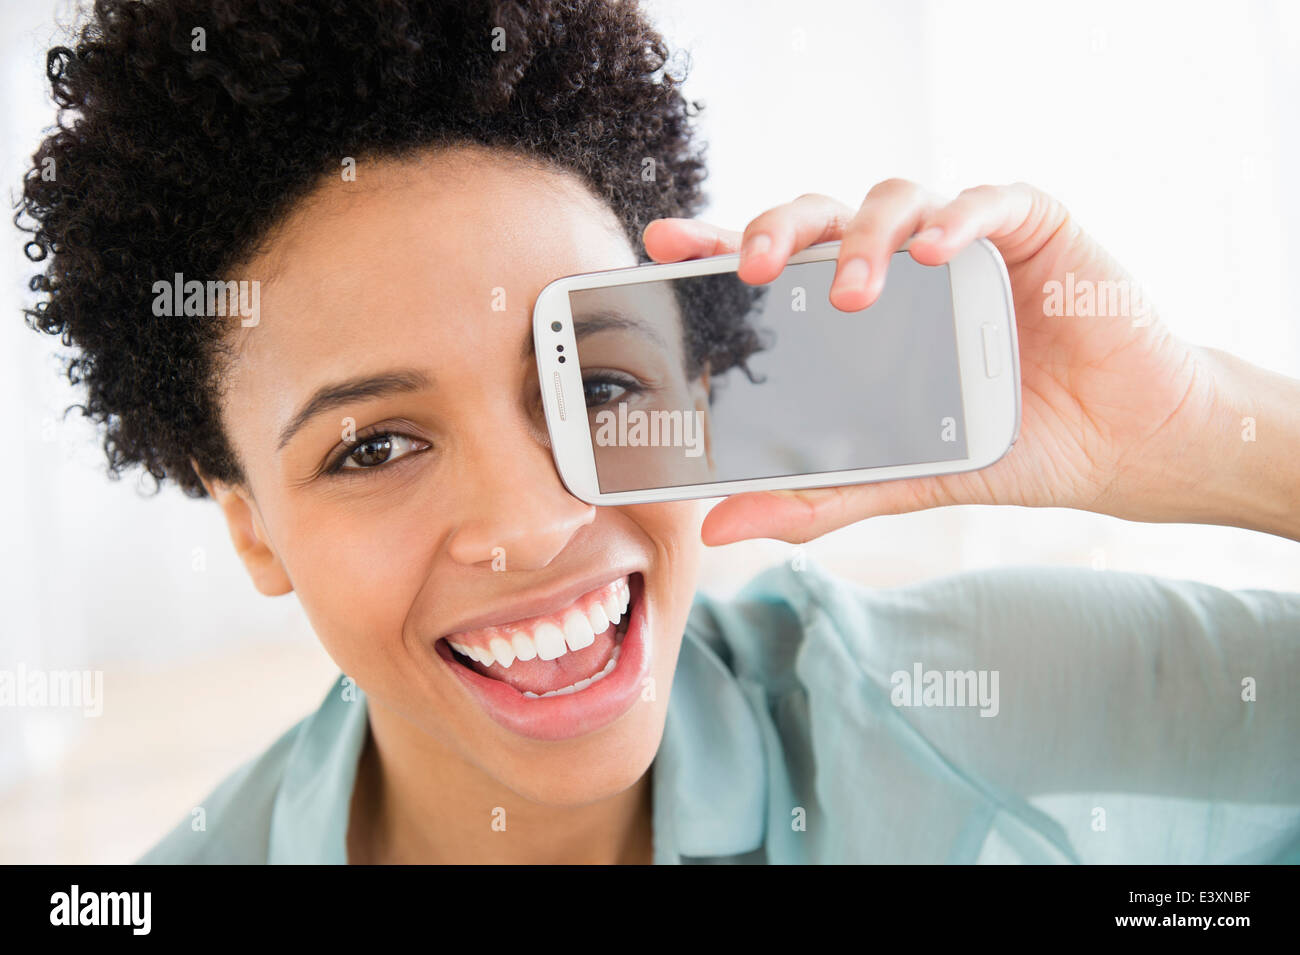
981	292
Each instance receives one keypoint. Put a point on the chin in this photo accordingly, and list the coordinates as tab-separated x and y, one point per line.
590	770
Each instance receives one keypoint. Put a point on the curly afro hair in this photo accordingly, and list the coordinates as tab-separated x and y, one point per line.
170	159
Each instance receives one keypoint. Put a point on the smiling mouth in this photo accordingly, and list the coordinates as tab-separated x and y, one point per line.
555	654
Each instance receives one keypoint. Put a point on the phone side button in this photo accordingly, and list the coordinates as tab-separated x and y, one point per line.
992	353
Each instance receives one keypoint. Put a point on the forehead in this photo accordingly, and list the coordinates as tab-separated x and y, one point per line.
437	255
442	223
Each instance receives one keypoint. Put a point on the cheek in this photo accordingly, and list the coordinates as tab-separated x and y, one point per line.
675	521
357	577
674	528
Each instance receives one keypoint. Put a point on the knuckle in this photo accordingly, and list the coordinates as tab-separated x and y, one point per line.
762	222
837	223
812	198
893	187
1042	206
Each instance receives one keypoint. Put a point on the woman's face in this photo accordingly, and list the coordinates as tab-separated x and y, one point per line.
396	311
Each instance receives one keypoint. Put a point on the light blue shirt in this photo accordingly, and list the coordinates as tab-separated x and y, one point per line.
1129	719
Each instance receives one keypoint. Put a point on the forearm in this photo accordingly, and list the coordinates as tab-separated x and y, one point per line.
1251	449
1106	683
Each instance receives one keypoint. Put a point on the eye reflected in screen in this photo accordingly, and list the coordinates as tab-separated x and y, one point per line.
706	379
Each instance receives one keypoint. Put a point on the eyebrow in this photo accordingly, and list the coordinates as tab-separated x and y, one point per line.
332	396
589	323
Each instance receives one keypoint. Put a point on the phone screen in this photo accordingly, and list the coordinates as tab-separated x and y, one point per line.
706	379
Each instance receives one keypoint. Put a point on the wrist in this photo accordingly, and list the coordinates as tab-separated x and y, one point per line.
1251	446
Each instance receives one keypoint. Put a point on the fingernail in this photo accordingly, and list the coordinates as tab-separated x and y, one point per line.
851	275
932	234
755	245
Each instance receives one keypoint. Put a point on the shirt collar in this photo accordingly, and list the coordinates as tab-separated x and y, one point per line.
309	821
710	775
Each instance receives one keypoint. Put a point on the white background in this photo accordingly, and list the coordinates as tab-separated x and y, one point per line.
1169	129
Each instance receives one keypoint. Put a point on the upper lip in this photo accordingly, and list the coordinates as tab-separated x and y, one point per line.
537	603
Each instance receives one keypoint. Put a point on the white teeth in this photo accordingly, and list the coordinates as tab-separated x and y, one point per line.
523	646
577	631
550	641
616	603
472	652
503	651
547	641
612	607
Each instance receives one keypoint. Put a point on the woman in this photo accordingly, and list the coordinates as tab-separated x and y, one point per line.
392	184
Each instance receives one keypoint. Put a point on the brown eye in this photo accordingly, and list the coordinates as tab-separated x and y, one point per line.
379	449
371	452
602	389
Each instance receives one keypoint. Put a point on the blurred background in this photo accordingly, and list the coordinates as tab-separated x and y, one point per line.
1167	128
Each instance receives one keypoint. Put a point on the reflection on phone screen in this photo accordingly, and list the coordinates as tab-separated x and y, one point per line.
704	379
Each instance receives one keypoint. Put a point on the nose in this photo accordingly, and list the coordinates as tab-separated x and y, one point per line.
517	514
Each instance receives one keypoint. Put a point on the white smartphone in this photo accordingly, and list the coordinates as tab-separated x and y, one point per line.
666	382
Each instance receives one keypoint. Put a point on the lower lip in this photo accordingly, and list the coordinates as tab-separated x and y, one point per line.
574	714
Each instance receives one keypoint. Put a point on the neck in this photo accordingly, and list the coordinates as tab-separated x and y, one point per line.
416	802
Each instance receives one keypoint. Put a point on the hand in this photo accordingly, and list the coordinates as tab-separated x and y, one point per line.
1115	410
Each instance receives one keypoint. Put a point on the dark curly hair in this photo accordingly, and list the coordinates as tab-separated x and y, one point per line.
167	160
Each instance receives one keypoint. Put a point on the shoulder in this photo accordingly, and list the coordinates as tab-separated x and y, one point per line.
232	825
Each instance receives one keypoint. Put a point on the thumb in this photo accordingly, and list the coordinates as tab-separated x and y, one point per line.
799	516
